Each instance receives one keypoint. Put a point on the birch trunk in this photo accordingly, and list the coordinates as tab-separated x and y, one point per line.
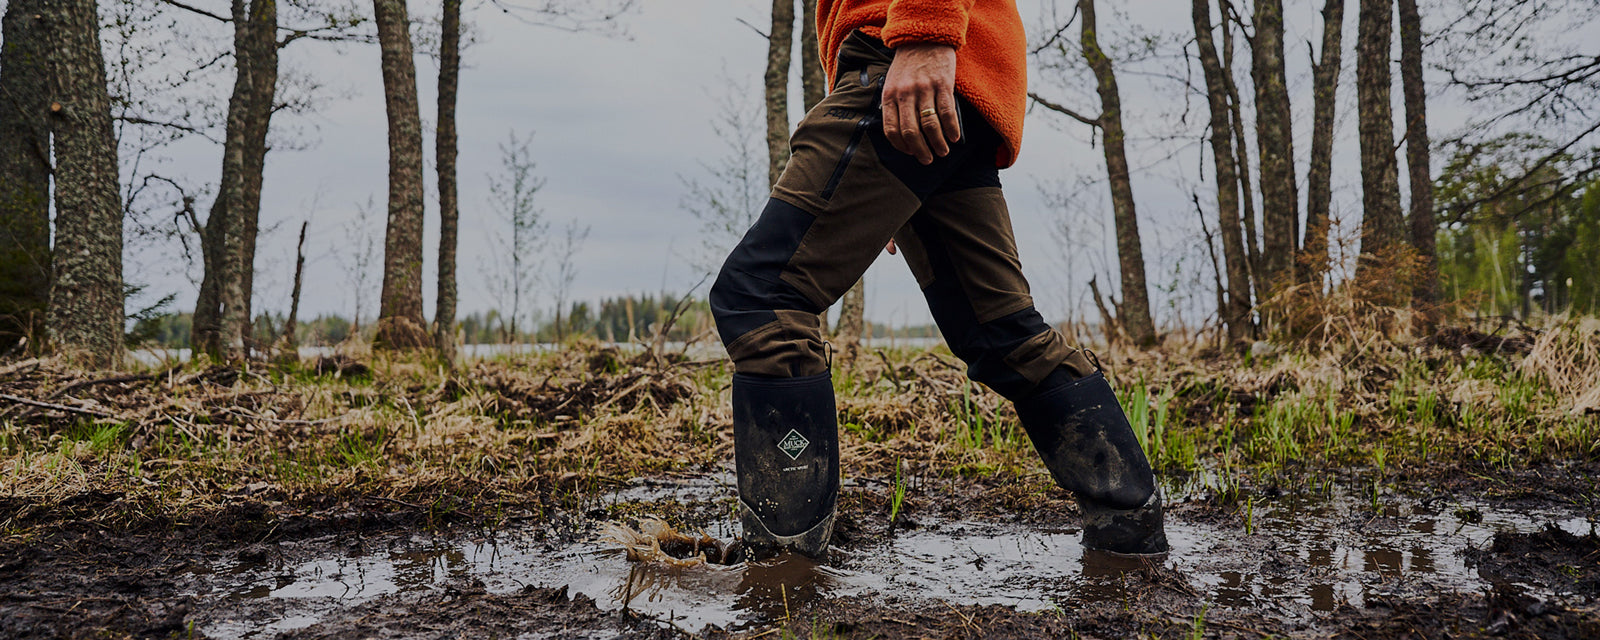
400	323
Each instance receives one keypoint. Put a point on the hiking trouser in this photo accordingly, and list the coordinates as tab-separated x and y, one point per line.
844	194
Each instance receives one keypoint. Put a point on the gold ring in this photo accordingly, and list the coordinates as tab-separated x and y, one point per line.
930	111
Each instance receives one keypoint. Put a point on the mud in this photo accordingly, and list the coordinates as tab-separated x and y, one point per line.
1313	563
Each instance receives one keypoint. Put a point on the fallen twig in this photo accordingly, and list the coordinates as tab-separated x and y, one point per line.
57	407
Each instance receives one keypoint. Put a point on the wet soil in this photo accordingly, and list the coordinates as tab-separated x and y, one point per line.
964	560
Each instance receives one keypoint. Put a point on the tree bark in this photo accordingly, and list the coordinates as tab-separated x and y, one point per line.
1418	161
86	298
1135	296
1241	149
1236	310
24	177
1381	225
1280	198
222	317
444	316
813	82
1319	180
400	323
779	43
262	44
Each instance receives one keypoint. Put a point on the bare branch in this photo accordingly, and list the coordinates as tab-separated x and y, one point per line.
1093	122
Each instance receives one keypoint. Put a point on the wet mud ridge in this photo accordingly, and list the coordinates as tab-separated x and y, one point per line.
1313	565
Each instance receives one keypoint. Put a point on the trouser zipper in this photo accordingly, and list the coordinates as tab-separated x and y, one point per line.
849	152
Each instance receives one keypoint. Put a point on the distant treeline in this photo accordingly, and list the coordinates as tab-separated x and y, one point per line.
619	319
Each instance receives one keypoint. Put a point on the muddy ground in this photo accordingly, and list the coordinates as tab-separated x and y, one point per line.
1427	489
1472	555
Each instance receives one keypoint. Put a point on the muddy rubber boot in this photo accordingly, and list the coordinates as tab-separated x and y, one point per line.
1080	431
786	454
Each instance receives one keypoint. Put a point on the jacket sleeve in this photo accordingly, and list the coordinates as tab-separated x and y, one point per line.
927	21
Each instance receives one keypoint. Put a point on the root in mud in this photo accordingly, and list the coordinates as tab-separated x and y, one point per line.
655	541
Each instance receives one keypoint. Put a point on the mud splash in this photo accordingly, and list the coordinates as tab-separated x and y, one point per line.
1299	556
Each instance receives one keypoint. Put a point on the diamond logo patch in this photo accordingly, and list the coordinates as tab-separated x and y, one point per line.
793	444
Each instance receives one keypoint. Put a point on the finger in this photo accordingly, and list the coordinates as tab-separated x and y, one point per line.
911	133
928	119
945	101
933	130
890	247
891	123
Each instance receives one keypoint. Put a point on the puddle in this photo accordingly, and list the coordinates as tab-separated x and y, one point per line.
1307	554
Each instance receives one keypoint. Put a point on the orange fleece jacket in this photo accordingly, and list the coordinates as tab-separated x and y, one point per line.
991	49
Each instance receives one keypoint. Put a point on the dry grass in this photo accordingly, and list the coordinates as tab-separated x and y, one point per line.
525	436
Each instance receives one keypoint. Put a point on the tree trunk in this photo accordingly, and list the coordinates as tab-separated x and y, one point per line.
1236	310
222	312
1381	226
813	83
1241	149
400	323
1418	169
1280	199
444	316
24	177
779	43
1135	297
291	342
86	298
1319	180
262	43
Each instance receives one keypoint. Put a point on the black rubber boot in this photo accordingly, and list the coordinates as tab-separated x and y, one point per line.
1080	431
786	452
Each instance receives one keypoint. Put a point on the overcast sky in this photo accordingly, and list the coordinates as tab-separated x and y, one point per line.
618	123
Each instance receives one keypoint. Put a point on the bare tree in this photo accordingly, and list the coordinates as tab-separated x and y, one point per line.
1241	149
228	238
1319	180
290	343
813	82
1134	312
1280	199
730	195
24	176
222	312
1235	310
780	40
1382	229
400	322
567	269
1418	156
513	270
1525	65
86	296
358	252
444	316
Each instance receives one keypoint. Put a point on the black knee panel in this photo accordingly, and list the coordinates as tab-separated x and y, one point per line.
749	287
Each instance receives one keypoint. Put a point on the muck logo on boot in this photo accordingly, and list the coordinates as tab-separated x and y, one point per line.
793	444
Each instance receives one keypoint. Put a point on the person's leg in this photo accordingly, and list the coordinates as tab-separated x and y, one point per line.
842	196
962	251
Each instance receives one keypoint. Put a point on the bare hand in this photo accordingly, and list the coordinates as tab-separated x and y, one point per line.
919	101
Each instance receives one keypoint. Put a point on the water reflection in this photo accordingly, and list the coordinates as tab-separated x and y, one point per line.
1314	553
